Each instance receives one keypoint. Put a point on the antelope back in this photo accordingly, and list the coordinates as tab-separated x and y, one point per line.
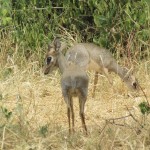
90	56
78	55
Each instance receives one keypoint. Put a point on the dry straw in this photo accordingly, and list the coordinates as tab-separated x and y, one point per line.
39	121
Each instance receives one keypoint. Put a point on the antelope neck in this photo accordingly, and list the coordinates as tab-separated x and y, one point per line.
62	62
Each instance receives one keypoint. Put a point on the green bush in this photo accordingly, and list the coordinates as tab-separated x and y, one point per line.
108	23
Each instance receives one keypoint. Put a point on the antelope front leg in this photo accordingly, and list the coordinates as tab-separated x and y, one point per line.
95	84
107	75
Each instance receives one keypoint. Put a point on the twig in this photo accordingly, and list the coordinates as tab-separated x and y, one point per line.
131	18
117	124
134	117
103	128
119	118
144	94
3	138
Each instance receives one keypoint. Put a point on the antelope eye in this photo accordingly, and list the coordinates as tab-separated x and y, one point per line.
48	60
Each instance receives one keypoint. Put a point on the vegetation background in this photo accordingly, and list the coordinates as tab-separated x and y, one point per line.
32	115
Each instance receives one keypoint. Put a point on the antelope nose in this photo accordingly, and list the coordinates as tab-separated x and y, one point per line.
135	85
45	72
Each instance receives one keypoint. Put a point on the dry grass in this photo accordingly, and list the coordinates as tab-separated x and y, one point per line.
39	120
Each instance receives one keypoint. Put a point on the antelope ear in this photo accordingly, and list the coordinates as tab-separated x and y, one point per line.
57	43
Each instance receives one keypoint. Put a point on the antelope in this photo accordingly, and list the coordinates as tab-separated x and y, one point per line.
74	81
90	56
